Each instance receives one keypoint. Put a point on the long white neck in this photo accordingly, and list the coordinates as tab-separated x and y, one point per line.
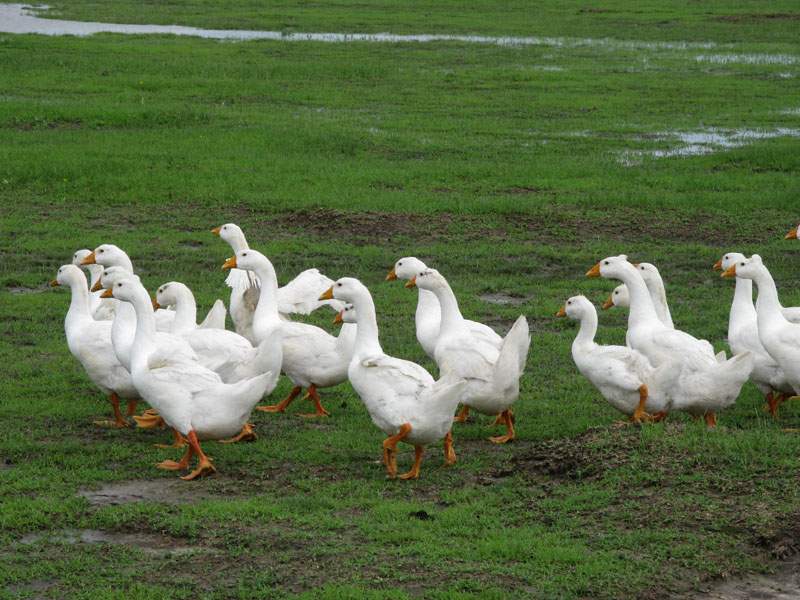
238	242
769	306
659	297
451	314
367	342
642	308
742	309
185	310
144	341
265	317
587	331
78	312
427	306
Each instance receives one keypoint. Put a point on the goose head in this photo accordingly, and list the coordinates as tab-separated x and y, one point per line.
792	235
79	255
167	294
346	315
67	275
728	260
248	259
110	276
746	268
233	234
611	267
348	289
619	297
428	279
648	272
406	268
108	255
575	308
126	290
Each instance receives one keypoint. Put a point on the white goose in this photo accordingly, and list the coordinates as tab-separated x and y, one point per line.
189	397
401	397
297	296
181	297
492	374
312	358
624	377
702	385
619	297
226	353
89	342
655	287
428	316
101	309
780	337
767	374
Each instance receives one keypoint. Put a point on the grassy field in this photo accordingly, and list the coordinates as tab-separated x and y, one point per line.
512	170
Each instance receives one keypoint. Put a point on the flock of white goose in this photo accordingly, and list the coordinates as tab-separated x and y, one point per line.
661	369
204	381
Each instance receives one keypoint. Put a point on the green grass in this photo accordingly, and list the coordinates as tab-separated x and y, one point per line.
512	170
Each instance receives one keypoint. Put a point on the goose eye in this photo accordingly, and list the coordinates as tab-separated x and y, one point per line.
400	264
339	284
100	251
605	263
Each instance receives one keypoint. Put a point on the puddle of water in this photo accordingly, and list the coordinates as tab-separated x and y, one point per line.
705	142
148	543
17	290
749	59
130	492
498	298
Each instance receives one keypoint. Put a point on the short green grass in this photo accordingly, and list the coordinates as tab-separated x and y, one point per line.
510	169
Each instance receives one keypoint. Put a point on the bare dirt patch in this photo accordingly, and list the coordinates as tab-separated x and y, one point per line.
169	491
755	18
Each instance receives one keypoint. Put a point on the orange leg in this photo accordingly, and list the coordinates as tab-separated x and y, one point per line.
247	435
149	421
204	466
711	419
639	414
182	464
509	430
180	441
414	472
660	416
449	454
499	420
462	416
321	412
390	450
132	407
118	420
773	402
284	403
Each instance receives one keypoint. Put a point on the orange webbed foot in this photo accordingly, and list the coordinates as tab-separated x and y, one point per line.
247	434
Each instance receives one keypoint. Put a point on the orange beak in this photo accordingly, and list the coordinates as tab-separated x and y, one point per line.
327	294
609	303
97	285
109	293
54	283
792	235
391	275
338	318
730	272
156	305
217	230
718	265
594	271
89	260
230	263
562	312
412	282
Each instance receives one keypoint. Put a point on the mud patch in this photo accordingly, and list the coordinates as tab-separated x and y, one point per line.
784	584
500	298
157	545
168	491
34	585
756	18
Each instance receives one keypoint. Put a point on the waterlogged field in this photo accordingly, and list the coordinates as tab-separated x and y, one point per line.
666	133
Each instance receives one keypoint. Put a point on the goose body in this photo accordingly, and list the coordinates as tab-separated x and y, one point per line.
780	337
491	373
702	385
624	377
188	396
402	398
311	357
428	315
226	353
89	341
743	336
